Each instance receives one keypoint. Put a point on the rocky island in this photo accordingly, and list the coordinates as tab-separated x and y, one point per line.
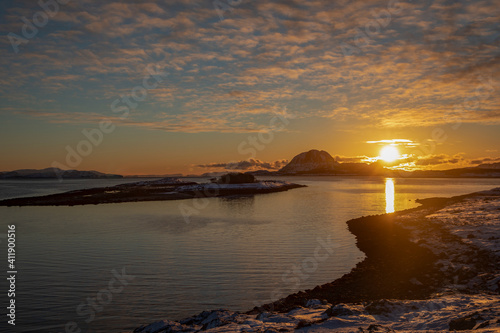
232	184
431	268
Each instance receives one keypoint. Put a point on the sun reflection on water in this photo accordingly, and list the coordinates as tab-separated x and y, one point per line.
389	195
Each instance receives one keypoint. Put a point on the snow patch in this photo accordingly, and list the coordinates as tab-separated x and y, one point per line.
481	312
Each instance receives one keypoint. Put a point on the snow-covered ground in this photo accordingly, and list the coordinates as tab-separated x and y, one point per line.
475	220
466	237
480	312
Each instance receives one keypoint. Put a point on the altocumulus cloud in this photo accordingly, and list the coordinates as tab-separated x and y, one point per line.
416	66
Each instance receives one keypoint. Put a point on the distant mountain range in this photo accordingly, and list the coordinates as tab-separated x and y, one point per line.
312	162
55	173
320	162
491	170
490	166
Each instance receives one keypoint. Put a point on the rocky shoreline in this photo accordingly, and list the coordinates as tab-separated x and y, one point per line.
435	267
157	190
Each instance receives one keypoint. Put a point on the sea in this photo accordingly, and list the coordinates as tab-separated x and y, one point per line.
115	267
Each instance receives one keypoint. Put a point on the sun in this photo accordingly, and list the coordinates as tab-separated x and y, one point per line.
389	154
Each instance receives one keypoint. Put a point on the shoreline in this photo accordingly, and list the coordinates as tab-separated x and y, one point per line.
156	190
412	256
388	248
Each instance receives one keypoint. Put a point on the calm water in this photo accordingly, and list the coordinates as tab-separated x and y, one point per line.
230	253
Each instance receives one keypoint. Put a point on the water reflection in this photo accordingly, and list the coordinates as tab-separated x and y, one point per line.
389	195
238	205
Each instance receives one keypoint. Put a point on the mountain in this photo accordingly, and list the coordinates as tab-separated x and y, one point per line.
51	173
489	166
363	169
313	161
481	171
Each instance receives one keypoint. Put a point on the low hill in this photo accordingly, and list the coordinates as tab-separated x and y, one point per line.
55	173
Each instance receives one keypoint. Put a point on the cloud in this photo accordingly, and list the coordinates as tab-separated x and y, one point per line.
411	72
442	161
172	123
251	164
396	142
431	162
439	159
485	160
351	159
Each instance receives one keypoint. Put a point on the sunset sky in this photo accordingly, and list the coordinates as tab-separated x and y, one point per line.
188	86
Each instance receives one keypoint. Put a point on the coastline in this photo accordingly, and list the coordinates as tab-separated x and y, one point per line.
156	190
416	260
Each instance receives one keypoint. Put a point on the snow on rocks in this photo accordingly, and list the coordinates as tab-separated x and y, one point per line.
465	237
163	181
436	314
230	321
442	313
475	220
211	187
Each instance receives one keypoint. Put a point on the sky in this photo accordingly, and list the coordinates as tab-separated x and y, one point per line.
188	86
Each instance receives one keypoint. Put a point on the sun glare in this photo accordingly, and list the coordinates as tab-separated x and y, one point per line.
389	195
389	153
